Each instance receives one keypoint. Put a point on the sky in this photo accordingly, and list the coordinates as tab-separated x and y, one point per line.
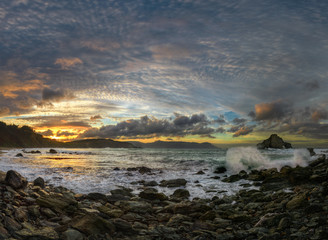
225	72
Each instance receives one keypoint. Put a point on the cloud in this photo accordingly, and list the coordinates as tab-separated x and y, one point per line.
67	63
243	131
64	134
96	117
319	114
272	111
49	95
308	129
145	127
4	111
47	133
239	121
12	90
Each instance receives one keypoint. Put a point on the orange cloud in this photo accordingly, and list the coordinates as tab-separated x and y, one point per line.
271	111
319	114
66	63
4	111
9	90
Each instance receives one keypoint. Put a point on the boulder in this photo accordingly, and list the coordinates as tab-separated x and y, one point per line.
57	203
181	193
220	170
93	224
152	194
72	234
312	152
297	202
31	232
15	180
53	151
173	183
274	141
39	182
19	155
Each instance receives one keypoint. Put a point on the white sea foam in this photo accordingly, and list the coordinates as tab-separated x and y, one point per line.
247	158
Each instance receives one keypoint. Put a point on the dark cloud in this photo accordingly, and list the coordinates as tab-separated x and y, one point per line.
56	95
245	130
64	134
4	111
151	126
320	114
239	121
234	129
272	111
47	133
312	85
96	117
194	119
63	123
308	129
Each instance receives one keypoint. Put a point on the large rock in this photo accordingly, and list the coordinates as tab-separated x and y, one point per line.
31	232
93	224
274	141
173	183
15	180
152	194
57	203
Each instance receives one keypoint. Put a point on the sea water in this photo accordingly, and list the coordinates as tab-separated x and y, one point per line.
102	170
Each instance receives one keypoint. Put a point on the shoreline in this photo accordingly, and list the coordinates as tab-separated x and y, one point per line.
39	211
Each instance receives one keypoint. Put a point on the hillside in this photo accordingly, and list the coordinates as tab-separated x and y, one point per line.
163	144
12	136
98	143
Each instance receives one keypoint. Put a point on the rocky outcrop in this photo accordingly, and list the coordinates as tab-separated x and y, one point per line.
274	141
269	212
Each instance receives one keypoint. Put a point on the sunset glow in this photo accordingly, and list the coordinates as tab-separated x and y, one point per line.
225	72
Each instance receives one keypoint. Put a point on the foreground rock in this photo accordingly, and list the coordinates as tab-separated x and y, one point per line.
291	204
274	141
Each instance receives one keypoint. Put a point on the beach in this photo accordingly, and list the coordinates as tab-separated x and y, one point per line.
289	203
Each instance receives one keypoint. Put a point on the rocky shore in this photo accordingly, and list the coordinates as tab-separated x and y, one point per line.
290	204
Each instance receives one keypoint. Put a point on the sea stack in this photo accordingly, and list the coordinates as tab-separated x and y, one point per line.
274	141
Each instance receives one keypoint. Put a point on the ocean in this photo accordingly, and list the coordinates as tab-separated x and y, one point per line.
102	170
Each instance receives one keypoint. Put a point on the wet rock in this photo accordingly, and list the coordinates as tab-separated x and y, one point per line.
143	170
299	175
15	180
209	215
3	233
220	170
31	232
122	191
48	212
93	224
124	226
173	183
19	155
152	194
150	183
136	206
181	193
200	172
232	178
274	141
72	234
176	220
39	182
311	151
321	159
53	151
113	213
57	203
297	202
97	197
21	214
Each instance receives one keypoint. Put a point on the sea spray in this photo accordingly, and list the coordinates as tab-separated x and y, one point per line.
301	158
245	158
248	158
